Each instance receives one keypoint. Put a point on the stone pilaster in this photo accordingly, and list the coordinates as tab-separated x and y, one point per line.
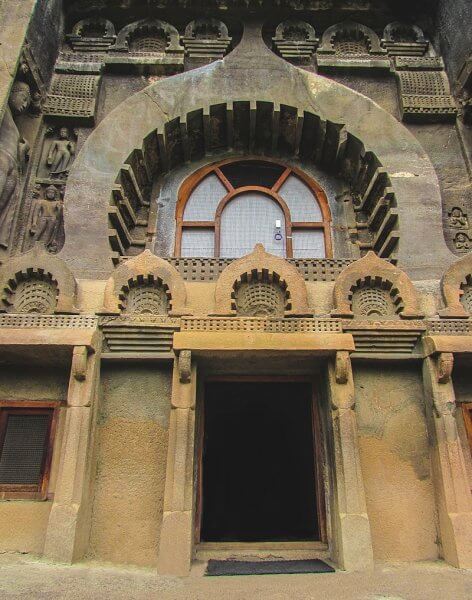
176	542
351	527
452	486
69	521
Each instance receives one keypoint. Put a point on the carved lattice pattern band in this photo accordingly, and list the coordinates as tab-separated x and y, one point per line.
265	325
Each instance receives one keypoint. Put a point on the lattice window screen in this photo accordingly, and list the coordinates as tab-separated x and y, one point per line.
23	450
248	219
308	244
204	200
198	242
300	200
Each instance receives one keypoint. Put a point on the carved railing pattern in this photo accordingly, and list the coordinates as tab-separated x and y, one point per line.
262	325
21	321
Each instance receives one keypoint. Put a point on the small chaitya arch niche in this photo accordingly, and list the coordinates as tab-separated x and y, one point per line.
466	294
225	209
260	294
146	295
375	299
34	294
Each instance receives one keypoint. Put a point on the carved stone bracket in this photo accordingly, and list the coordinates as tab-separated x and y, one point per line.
445	364
343	365
185	366
79	363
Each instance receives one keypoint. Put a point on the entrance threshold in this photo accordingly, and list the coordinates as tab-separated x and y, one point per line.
261	550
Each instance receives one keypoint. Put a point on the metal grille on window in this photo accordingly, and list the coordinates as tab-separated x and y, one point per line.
204	200
300	200
308	243
198	242
24	448
249	219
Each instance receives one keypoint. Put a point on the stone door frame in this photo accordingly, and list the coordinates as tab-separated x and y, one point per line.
318	434
350	543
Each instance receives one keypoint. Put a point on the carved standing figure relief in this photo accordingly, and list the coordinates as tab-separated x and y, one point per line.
47	218
14	153
61	154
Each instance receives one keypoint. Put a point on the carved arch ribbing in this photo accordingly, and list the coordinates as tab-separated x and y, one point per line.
149	25
452	281
261	261
142	267
381	272
350	27
39	262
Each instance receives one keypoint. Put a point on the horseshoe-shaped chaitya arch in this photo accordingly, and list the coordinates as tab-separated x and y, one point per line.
293	113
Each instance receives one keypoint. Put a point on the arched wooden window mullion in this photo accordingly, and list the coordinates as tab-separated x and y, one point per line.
230	192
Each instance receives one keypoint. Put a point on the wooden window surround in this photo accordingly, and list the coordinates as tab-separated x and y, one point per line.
467	412
33	476
232	191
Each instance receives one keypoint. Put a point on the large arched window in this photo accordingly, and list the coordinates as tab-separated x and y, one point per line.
225	209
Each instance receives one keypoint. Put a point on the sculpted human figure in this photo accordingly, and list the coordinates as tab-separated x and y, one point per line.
13	156
61	153
46	218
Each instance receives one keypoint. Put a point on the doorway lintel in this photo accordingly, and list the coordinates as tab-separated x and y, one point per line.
321	344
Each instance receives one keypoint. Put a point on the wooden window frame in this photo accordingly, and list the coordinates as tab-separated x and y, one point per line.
196	178
467	414
36	491
318	450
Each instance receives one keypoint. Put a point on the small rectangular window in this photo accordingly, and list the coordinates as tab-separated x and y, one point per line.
26	438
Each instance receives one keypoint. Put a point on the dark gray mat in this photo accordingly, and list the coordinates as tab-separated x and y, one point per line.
217	568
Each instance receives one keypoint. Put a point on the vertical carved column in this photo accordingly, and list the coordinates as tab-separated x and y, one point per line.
351	527
175	548
452	487
69	521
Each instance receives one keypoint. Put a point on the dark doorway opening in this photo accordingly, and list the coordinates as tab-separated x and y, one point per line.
258	464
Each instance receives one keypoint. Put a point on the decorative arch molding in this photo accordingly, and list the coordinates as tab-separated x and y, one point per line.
349	28
393	33
453	286
372	269
310	117
83	27
295	41
276	130
306	30
259	262
204	25
138	270
39	264
149	25
404	39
